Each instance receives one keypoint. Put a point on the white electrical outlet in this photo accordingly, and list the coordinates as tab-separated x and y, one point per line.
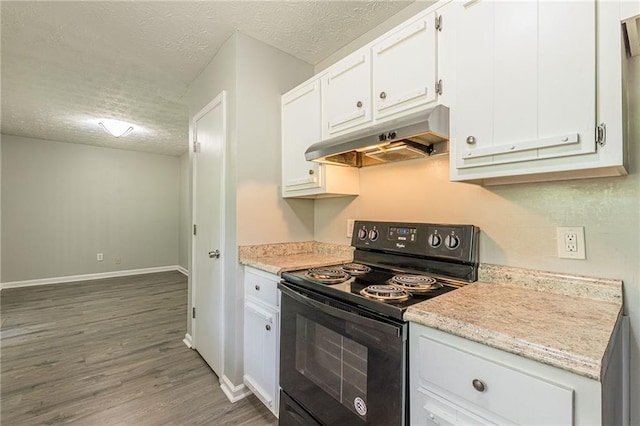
571	243
350	223
99	257
118	260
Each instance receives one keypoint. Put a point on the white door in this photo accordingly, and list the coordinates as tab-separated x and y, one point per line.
208	199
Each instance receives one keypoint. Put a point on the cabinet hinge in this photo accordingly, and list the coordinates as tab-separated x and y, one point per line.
196	146
194	229
193	312
439	22
601	135
439	87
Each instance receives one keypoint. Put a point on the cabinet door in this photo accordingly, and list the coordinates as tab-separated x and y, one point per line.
260	352
567	77
301	122
472	117
346	93
405	68
526	84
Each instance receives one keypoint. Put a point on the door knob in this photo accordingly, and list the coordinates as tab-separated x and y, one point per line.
214	254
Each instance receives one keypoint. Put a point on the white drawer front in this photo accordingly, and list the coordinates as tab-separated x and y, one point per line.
261	287
509	393
437	411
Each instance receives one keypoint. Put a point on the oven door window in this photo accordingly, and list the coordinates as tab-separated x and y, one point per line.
336	364
340	366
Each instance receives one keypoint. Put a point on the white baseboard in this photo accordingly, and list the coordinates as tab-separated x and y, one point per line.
88	277
182	270
188	341
233	393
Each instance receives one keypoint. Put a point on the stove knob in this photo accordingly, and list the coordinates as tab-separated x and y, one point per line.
362	233
373	235
451	242
435	240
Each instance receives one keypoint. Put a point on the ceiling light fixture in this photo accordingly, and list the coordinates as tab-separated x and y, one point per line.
116	128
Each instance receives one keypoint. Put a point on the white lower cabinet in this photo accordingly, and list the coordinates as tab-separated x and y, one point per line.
262	336
454	381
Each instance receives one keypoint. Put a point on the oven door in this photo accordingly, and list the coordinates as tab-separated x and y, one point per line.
342	365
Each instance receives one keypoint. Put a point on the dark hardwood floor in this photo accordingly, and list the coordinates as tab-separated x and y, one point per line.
109	352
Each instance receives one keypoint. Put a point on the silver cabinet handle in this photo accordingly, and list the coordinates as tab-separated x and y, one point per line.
268	327
311	171
257	287
471	140
215	254
383	95
478	385
359	104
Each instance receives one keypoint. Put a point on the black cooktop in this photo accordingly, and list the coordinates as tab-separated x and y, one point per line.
446	252
349	291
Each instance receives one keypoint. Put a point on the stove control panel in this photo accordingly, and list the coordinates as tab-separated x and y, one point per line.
445	241
403	234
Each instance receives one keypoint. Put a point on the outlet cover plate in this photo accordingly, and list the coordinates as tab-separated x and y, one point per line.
571	244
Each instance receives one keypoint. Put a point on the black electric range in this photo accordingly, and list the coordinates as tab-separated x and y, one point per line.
406	263
343	341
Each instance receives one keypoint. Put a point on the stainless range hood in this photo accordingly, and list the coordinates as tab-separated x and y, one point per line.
418	135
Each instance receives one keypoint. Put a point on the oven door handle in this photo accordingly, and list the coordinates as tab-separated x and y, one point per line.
378	326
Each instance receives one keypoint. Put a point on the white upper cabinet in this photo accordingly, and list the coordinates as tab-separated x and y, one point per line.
525	101
346	96
301	127
525	82
301	118
394	75
404	64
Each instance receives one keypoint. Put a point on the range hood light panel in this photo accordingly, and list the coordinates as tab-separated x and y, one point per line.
371	147
418	135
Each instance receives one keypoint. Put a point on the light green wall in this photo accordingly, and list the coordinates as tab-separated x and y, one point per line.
63	203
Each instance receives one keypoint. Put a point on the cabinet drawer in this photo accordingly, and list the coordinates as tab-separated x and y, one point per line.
261	286
437	411
492	386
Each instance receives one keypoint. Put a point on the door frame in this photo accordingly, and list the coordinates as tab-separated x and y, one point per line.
220	99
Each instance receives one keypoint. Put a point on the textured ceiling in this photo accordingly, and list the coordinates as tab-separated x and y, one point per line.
64	65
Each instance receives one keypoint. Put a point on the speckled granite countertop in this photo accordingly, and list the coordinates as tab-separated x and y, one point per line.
278	258
559	320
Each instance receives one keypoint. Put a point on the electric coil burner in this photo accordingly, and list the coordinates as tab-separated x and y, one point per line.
415	283
385	293
355	269
343	340
327	275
